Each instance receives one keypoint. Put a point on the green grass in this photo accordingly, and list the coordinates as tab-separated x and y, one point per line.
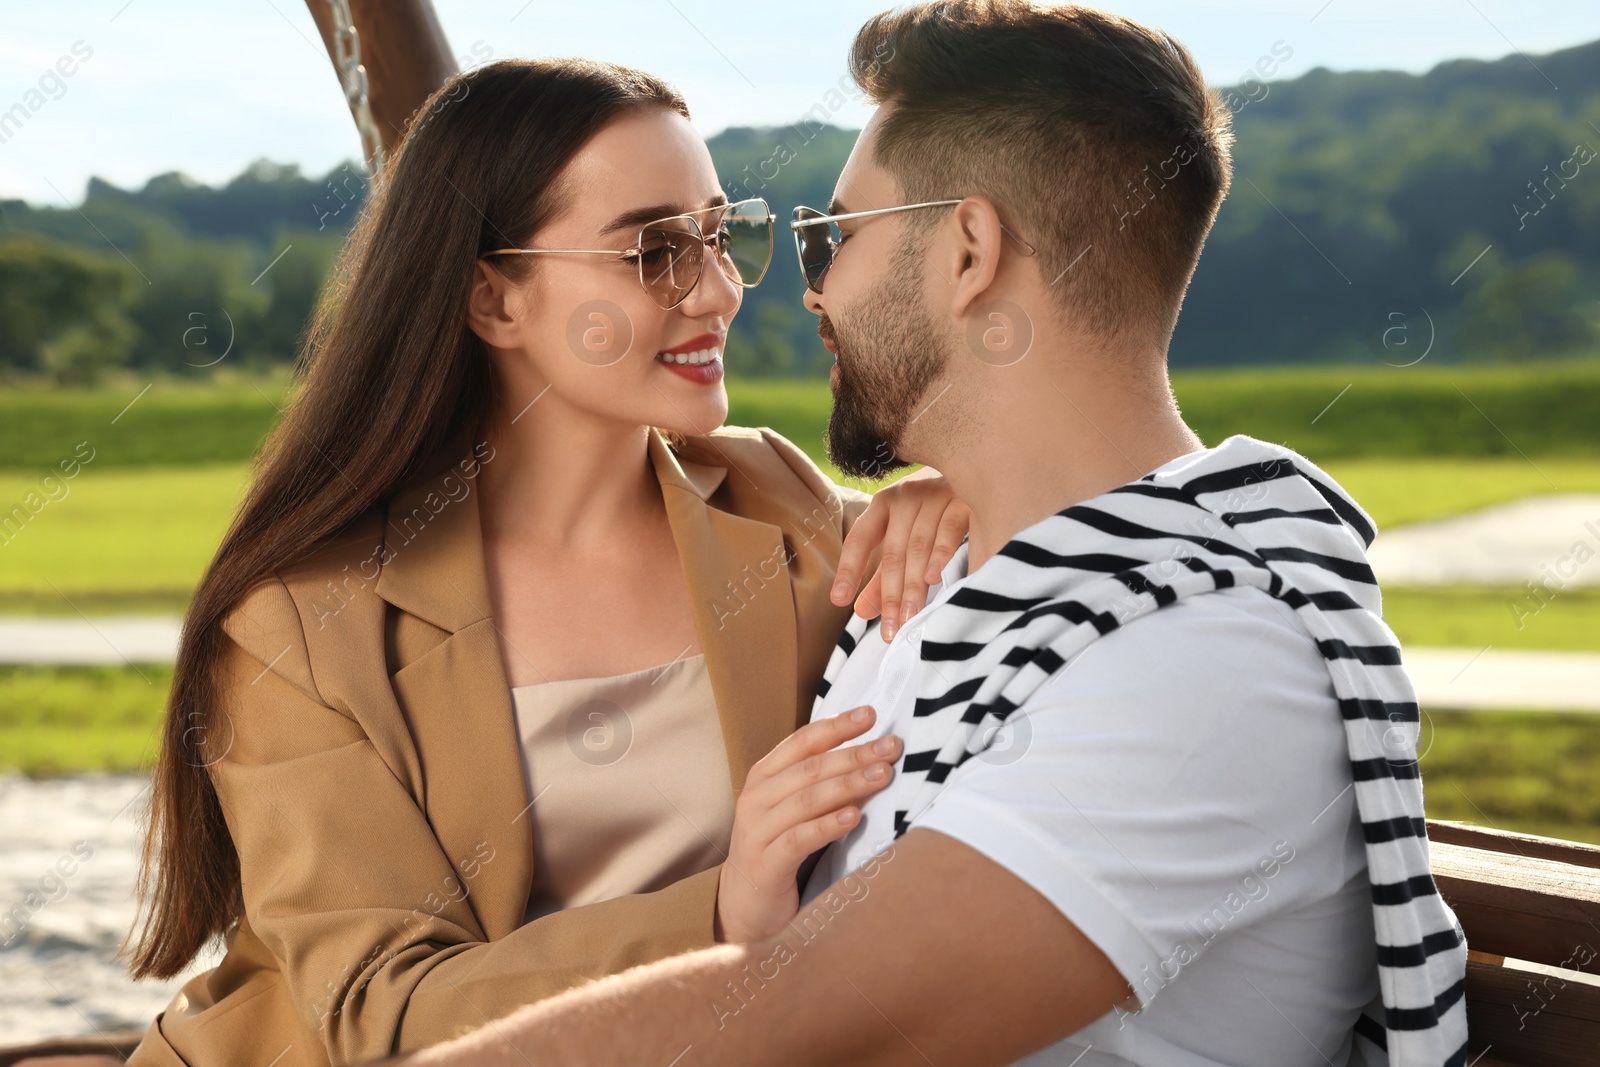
797	410
1536	772
1510	410
1539	410
1533	772
56	720
117	540
1471	617
1399	491
173	421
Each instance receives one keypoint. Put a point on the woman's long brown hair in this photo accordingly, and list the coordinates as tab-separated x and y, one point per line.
390	378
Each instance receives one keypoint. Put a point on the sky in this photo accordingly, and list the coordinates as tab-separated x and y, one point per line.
207	87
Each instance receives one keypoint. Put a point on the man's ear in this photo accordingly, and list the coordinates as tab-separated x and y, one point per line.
974	256
491	308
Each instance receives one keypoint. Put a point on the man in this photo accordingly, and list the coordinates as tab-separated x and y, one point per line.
1158	803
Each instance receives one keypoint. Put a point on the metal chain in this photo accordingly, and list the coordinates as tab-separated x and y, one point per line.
347	57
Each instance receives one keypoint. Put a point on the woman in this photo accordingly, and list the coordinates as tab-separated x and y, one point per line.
503	627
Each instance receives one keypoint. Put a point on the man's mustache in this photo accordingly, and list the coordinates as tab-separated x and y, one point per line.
825	331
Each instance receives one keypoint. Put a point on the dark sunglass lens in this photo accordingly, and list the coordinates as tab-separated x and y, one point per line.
671	253
815	245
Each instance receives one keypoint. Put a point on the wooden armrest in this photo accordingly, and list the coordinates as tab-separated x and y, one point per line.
1548	848
1531	1014
1524	907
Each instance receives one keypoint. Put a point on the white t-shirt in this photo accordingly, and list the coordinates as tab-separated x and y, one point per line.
1181	791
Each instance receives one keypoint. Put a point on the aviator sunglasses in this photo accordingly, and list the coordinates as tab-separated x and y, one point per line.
670	252
817	237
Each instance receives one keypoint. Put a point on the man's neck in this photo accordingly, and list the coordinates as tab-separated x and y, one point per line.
1045	444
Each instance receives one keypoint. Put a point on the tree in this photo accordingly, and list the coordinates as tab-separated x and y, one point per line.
1537	307
61	308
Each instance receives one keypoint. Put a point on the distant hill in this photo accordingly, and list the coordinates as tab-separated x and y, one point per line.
1360	198
1374	215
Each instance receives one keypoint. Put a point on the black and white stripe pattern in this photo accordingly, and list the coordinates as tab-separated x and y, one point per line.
1244	513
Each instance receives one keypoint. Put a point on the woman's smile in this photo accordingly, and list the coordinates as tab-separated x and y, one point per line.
698	359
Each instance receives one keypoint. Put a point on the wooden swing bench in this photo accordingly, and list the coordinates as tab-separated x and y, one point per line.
1531	910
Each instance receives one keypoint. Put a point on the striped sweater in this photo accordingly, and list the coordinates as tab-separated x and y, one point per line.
1245	513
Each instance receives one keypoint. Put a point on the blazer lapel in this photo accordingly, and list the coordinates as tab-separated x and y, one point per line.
455	697
738	577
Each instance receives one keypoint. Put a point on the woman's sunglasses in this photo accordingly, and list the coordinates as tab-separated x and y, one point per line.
671	252
817	237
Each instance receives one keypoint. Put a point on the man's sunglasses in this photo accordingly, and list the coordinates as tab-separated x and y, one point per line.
670	252
817	237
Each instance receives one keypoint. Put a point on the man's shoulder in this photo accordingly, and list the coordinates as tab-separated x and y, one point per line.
1237	644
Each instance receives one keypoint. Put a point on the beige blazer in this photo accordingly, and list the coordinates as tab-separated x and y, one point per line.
372	782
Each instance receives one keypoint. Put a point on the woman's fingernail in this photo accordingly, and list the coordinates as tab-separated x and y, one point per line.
841	589
883	745
907	610
859	715
847	816
876	772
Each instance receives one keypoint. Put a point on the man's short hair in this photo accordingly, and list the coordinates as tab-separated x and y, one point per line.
1096	137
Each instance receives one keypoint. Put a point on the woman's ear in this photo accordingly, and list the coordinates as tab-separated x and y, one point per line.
492	308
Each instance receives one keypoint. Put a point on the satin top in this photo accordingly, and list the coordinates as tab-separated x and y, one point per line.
628	783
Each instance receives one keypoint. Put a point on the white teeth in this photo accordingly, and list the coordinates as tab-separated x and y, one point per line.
705	355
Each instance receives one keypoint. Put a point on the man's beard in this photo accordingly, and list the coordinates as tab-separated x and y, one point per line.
888	354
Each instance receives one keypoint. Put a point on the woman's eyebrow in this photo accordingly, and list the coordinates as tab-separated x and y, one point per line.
641	215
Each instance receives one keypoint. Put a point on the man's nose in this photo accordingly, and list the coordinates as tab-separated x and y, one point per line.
812	301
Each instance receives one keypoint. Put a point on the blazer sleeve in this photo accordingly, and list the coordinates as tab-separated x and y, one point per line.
346	884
